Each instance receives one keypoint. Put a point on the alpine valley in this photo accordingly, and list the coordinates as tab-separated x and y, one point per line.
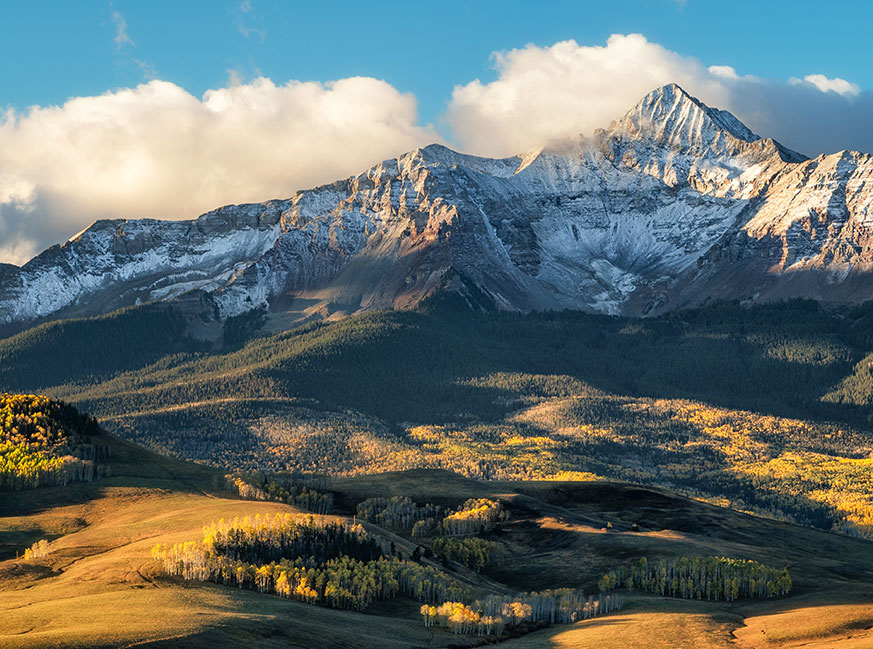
614	392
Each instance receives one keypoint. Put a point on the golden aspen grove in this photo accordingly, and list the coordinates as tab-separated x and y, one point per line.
493	614
338	565
45	442
304	558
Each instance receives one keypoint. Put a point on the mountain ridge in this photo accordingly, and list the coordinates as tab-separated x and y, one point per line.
675	204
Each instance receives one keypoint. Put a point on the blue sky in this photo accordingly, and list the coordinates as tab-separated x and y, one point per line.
159	109
59	49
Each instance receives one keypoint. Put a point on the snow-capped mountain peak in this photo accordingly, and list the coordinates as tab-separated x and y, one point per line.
676	203
669	114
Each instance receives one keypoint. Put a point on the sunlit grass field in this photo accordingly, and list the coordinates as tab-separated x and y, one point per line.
99	587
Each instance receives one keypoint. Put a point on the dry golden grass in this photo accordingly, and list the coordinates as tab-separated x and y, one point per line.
677	624
812	622
99	587
644	622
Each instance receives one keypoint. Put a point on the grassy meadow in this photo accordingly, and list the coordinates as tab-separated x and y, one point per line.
99	586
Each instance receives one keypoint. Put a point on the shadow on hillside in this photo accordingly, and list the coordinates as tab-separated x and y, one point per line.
409	366
778	360
557	536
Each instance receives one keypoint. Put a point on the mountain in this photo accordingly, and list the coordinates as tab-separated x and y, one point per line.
674	205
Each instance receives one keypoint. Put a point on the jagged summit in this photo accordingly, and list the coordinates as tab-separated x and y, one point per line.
671	118
439	154
674	204
669	114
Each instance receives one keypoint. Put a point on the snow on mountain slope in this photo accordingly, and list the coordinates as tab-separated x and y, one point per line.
116	263
673	204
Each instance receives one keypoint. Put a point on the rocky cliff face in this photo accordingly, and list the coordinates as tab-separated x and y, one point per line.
674	204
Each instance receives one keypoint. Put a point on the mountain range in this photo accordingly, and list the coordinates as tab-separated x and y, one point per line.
674	205
494	424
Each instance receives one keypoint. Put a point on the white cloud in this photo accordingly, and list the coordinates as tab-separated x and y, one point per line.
543	93
148	70
723	71
244	11
837	85
17	249
546	93
157	151
121	37
234	77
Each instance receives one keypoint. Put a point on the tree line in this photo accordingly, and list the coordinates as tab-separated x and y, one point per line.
490	616
473	552
313	561
474	516
290	491
285	536
401	514
710	578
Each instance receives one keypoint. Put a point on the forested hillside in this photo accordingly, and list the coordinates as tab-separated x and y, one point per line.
87	350
780	358
727	403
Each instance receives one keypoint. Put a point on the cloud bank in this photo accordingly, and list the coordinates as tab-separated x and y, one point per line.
157	151
837	85
547	93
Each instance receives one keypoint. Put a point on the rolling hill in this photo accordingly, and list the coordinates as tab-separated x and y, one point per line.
727	403
99	587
